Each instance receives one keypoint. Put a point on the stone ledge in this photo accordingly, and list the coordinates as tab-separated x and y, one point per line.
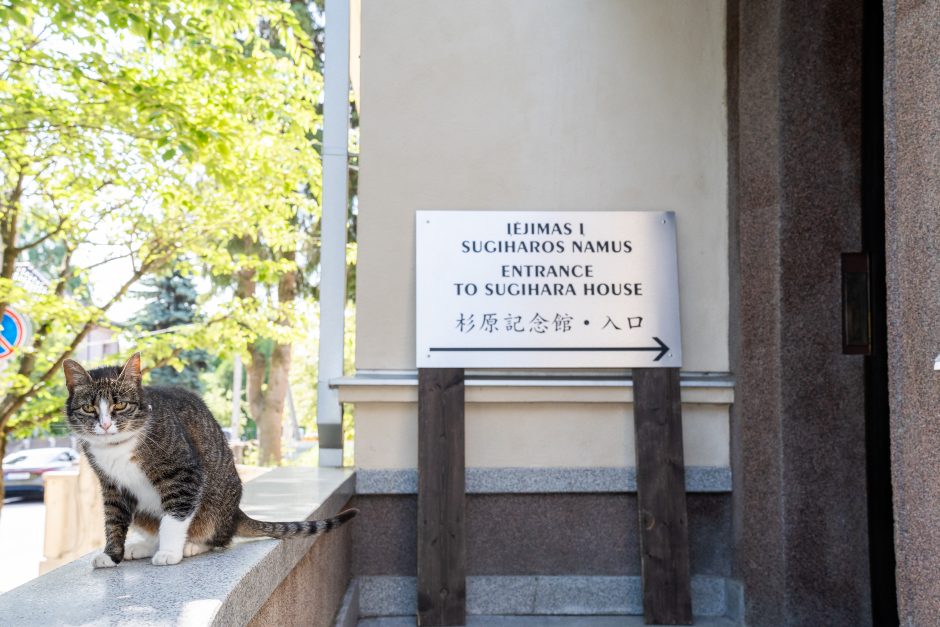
528	387
224	587
539	480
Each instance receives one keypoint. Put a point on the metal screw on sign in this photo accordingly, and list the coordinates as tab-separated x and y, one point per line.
15	331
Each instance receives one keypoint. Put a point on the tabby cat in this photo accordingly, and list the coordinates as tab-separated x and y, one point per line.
164	466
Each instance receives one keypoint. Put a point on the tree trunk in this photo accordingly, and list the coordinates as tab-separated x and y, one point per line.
8	220
237	399
257	363
9	217
270	427
266	404
3	453
257	366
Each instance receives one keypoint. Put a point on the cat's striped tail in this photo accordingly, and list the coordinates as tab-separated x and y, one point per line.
251	528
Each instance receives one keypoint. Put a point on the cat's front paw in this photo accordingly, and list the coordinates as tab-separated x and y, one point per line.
166	558
103	560
192	548
139	550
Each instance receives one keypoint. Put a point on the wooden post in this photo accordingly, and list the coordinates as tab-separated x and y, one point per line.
660	482
442	551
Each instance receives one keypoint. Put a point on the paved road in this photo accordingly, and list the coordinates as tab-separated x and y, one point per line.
22	524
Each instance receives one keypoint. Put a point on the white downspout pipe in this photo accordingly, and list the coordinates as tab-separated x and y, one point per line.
333	230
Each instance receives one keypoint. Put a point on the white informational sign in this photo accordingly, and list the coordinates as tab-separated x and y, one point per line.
523	289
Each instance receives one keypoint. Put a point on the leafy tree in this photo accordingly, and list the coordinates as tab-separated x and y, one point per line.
268	368
171	304
148	131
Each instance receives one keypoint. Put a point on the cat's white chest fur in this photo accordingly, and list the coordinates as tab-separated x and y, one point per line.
115	461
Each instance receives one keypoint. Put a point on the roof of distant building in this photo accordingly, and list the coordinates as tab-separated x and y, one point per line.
28	276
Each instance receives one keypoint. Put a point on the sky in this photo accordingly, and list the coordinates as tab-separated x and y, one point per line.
106	279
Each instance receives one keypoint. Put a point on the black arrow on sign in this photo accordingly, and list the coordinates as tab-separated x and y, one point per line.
662	348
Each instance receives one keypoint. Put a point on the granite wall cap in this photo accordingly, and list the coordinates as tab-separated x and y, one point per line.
224	587
539	480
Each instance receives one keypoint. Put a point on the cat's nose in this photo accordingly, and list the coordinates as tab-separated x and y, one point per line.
105	423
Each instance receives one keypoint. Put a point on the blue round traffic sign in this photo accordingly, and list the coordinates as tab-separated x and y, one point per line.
14	332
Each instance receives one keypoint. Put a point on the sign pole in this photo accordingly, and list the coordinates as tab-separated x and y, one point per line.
442	551
660	483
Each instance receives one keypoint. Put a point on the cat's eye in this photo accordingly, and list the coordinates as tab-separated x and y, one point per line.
119	406
88	409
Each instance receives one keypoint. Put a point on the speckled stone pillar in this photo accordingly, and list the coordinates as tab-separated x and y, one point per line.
912	177
799	417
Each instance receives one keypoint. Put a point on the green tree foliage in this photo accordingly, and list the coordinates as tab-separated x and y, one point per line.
171	303
148	131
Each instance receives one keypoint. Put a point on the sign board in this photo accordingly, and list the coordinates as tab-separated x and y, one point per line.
522	289
14	331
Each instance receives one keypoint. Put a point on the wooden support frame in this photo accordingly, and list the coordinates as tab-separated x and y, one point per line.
442	551
661	501
660	479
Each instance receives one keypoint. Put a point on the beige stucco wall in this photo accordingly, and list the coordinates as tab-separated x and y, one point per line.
551	435
540	105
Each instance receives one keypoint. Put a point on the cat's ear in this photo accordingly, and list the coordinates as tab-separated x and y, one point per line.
75	374
131	371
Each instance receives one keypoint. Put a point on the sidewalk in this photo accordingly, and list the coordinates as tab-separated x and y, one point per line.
22	525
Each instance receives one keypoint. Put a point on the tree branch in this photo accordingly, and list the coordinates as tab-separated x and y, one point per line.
8	223
107	261
48	126
162	362
40	240
53	68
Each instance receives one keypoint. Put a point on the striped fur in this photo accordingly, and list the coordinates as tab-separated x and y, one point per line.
249	527
164	464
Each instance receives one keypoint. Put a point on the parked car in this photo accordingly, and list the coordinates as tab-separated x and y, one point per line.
23	470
